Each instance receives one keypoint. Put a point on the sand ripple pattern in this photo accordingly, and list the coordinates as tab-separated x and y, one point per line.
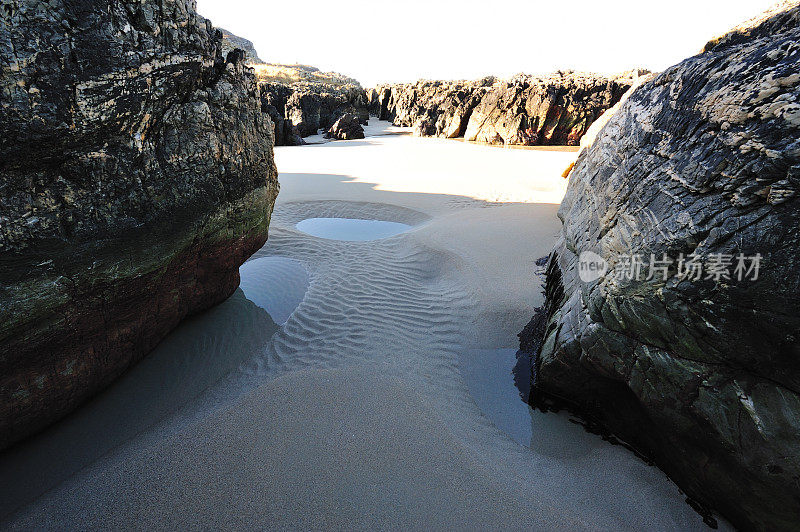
399	309
382	301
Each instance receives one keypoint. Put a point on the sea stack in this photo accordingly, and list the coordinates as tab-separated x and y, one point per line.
702	372
137	175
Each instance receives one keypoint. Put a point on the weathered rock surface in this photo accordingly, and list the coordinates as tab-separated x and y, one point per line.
525	110
274	97
553	110
136	175
701	373
300	99
348	127
309	107
432	108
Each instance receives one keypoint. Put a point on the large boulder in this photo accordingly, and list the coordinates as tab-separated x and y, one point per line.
348	127
303	109
137	174
694	361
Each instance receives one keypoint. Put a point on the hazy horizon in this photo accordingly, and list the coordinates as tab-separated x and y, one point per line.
378	42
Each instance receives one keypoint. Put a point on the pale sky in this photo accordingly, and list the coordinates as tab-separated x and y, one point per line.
377	41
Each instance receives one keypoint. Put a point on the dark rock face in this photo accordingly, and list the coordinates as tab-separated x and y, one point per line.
556	110
274	97
432	108
525	110
373	102
701	373
347	127
304	108
136	175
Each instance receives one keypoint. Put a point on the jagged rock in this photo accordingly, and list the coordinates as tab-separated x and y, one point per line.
557	109
273	102
702	374
432	108
525	110
305	108
136	175
373	102
589	137
780	15
347	127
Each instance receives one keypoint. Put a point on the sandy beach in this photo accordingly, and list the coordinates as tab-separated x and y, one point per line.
346	400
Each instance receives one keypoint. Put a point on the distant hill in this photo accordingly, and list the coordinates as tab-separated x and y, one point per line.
284	74
231	41
300	74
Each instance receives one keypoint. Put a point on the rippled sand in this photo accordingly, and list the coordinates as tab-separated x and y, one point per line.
373	405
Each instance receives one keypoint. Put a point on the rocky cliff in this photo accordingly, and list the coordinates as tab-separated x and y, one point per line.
136	175
526	110
432	108
300	99
673	294
301	109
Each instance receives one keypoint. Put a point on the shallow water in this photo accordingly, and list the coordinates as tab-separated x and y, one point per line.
276	284
490	380
351	229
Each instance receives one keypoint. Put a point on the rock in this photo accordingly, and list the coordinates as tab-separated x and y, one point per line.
308	107
231	42
702	374
553	110
432	108
780	15
273	102
137	174
347	127
525	110
299	99
373	103
589	137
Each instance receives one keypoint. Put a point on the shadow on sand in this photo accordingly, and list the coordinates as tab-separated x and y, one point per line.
200	352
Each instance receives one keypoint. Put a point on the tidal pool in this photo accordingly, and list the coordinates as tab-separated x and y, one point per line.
351	229
276	284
